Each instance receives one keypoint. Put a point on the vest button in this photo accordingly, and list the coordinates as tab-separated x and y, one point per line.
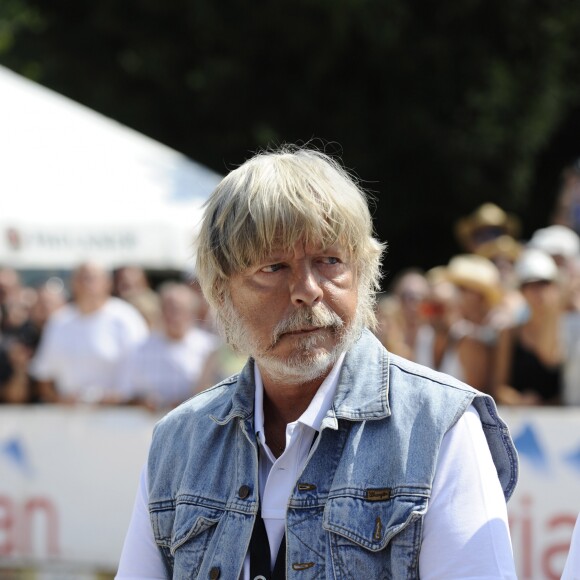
243	493
214	573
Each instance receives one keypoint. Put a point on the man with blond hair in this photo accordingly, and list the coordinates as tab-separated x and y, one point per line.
326	457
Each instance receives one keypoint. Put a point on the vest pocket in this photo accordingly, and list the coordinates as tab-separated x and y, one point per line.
375	539
183	531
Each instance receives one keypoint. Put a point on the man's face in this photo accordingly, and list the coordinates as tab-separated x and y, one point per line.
177	312
91	281
296	311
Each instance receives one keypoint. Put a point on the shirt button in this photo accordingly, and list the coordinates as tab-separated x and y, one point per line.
243	493
214	574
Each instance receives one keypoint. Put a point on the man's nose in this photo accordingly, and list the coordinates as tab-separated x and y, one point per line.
305	288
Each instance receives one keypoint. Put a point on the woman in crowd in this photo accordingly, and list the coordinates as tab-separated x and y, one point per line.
399	313
477	329
531	354
437	342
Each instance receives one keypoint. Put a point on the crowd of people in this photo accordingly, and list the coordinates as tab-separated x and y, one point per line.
503	316
107	339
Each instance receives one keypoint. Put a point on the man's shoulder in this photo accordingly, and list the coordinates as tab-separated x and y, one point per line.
212	402
118	308
125	318
64	315
402	368
436	393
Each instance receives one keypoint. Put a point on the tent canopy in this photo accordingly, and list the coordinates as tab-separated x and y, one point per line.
76	186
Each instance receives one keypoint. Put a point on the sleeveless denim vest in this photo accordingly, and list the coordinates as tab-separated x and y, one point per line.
357	508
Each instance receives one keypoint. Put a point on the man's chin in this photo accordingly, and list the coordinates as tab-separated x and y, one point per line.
300	367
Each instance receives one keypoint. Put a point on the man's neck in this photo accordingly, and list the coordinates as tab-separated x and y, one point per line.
284	402
90	304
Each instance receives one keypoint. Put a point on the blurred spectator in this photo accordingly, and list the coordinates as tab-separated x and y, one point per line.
399	313
390	326
437	341
221	364
484	224
15	384
205	316
131	284
164	370
50	297
563	244
476	332
83	342
503	252
530	355
18	346
10	286
148	305
15	304
129	281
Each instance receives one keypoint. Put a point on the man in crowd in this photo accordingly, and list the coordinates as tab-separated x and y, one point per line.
164	370
83	342
326	457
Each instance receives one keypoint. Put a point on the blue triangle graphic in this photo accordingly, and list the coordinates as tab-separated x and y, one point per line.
573	459
528	446
13	450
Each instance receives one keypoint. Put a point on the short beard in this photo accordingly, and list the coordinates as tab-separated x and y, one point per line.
306	364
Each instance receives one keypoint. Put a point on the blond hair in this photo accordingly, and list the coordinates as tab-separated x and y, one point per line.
275	199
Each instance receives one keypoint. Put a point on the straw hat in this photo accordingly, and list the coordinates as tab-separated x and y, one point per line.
476	273
487	216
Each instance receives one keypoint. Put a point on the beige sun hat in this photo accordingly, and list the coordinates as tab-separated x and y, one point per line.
485	216
476	273
503	247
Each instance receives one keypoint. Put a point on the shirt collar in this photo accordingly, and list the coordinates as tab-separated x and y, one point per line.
318	407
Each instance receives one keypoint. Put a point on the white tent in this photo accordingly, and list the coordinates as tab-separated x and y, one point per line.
75	186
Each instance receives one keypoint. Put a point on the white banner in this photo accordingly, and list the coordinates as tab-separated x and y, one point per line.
546	503
68	479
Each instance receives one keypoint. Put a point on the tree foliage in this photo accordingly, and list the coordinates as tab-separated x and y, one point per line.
437	106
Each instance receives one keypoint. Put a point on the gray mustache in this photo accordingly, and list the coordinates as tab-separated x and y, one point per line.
320	317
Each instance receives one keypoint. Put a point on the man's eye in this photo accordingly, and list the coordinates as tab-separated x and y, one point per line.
271	268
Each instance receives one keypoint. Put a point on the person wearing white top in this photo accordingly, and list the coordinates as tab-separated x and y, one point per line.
164	370
79	355
326	456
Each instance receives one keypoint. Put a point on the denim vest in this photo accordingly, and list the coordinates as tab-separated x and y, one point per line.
357	508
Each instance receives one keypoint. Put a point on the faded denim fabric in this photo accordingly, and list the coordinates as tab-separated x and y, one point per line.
357	508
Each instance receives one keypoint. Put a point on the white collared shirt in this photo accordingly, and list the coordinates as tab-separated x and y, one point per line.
278	476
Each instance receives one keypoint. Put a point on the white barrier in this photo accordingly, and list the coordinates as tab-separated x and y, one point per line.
67	483
68	480
546	503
